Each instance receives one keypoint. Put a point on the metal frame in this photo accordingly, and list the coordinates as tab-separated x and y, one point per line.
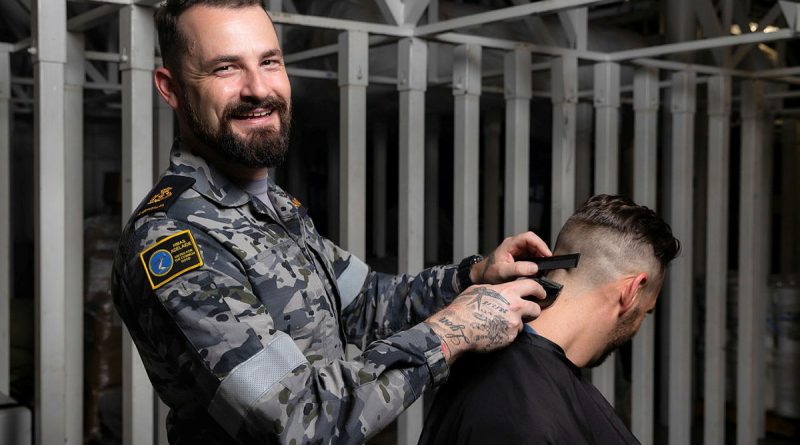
679	279
51	248
518	101
564	82
5	217
137	42
606	175
353	81
645	173
753	261
719	111
466	93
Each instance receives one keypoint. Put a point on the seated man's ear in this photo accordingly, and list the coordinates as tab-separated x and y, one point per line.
632	292
167	86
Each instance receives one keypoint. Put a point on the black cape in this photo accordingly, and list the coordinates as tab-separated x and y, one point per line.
527	393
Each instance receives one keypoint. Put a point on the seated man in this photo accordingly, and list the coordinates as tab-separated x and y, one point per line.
533	391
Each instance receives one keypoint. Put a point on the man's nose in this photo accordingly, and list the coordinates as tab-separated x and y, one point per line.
255	85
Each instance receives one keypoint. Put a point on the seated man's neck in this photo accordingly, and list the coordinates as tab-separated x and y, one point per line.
574	323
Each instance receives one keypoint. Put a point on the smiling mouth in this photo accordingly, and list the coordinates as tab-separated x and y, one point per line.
254	115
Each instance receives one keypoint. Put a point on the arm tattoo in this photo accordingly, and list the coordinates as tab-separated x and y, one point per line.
458	331
480	292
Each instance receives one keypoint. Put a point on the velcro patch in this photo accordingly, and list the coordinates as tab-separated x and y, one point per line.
170	258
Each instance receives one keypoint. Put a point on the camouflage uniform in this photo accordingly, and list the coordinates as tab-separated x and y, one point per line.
244	337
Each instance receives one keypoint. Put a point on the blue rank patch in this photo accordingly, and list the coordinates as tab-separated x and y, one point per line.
171	257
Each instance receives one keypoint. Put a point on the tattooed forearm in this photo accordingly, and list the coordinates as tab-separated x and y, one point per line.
456	336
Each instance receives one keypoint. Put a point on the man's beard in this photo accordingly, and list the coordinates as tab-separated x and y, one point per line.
263	147
621	333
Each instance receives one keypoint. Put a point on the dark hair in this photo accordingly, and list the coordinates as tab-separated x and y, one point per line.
171	42
625	217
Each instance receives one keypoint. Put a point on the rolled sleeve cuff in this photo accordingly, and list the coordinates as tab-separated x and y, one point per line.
434	356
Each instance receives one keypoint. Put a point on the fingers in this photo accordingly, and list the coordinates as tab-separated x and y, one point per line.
509	271
528	243
525	288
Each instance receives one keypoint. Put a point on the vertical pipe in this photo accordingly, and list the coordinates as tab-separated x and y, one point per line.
467	94
606	129
73	137
432	189
518	140
137	43
606	174
645	174
50	34
564	83
679	278
379	184
719	112
490	185
789	212
353	80
753	263
5	217
584	115
412	83
165	133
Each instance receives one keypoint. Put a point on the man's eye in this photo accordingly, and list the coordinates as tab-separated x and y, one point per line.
223	69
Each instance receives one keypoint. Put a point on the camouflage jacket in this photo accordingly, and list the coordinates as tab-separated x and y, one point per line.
241	311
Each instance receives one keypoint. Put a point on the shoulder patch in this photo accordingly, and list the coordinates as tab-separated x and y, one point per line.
164	194
170	258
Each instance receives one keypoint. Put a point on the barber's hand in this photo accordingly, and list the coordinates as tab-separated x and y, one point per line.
484	318
500	265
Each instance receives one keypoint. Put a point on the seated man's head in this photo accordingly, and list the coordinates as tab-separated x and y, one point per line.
625	249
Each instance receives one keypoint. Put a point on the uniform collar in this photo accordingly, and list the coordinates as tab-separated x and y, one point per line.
214	185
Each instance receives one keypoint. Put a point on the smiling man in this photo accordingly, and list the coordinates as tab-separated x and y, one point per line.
240	310
534	392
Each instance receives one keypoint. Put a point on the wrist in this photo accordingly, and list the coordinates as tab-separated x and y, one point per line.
468	274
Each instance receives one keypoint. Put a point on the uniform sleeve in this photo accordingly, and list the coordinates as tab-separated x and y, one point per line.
265	386
377	305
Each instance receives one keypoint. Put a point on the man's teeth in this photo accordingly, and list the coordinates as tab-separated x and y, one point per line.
257	115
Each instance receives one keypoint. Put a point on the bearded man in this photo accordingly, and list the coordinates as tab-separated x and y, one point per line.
239	308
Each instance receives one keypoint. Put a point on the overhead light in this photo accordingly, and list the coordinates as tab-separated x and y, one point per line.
771	28
735	30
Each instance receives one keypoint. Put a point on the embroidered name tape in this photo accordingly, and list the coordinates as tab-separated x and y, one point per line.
170	258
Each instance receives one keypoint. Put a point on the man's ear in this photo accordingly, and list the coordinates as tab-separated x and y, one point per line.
167	86
631	292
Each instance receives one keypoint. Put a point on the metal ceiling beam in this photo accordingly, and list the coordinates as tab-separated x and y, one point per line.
92	18
329	50
510	45
707	17
311	21
392	11
768	19
698	45
498	15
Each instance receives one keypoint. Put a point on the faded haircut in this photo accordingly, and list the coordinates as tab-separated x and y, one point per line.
615	236
171	41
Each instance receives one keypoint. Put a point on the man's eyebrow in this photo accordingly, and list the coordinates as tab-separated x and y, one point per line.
223	59
272	53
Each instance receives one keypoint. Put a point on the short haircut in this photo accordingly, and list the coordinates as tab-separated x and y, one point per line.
172	43
615	236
